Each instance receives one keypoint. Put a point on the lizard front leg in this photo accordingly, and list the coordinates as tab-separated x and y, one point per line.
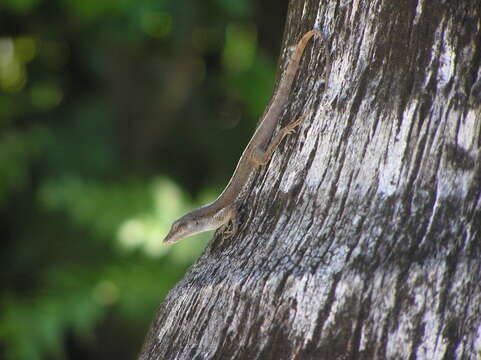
231	219
262	157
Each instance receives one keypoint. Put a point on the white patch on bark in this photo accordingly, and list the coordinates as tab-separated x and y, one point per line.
348	288
423	301
304	9
466	138
455	180
477	341
390	170
446	59
355	7
431	346
310	294
322	152
419	10
383	300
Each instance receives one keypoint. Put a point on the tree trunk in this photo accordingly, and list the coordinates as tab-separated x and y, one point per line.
361	238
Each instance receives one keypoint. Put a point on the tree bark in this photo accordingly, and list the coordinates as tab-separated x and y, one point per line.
361	238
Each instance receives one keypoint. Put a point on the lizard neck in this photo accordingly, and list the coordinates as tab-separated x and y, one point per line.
240	177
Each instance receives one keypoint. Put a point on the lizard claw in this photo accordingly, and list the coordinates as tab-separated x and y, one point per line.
291	128
230	228
228	234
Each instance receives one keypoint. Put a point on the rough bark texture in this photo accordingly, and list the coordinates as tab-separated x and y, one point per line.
361	239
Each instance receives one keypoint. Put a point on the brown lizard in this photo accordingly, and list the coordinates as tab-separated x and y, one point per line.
258	152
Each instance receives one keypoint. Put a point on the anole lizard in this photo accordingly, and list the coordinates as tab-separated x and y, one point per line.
257	152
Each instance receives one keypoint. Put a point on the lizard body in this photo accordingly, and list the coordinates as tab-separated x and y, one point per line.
257	152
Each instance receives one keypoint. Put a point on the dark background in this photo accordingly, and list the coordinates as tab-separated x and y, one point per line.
116	117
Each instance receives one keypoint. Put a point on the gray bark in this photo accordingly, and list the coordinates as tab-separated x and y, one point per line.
361	238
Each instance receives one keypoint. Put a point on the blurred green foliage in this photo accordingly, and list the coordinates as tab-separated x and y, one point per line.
116	117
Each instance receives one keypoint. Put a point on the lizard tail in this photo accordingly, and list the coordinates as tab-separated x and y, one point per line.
290	73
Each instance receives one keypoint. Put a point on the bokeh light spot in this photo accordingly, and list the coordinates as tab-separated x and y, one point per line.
157	24
7	51
240	47
12	76
25	48
46	95
106	292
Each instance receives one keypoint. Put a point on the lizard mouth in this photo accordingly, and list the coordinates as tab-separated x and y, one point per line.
170	238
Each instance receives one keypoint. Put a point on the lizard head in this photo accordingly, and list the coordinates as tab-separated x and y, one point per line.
186	226
180	228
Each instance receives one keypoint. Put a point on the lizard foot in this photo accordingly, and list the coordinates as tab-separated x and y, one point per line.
232	225
291	128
